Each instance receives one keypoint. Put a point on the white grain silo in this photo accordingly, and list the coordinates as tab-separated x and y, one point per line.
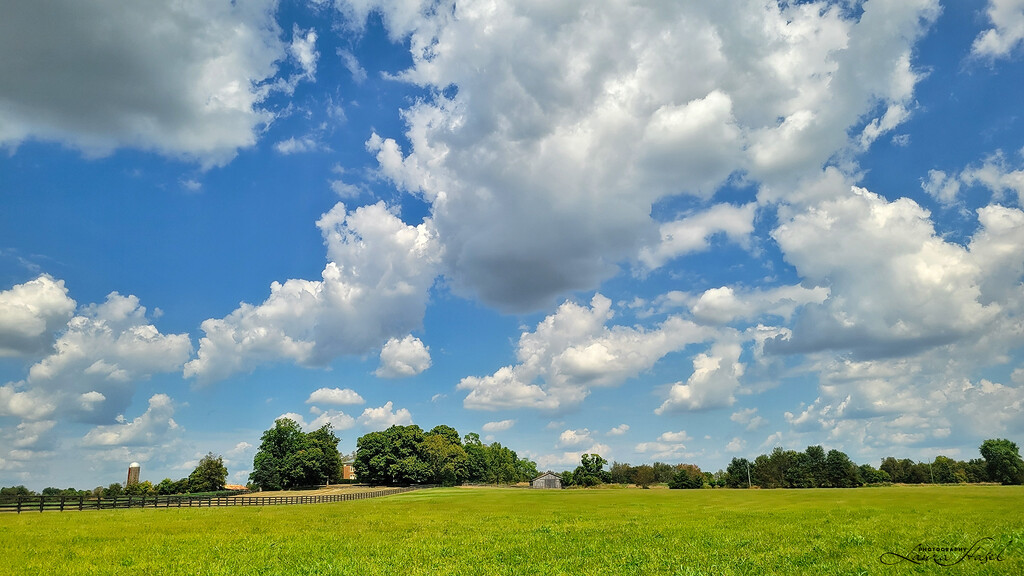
133	474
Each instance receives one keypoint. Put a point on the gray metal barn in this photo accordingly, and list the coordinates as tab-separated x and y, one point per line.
547	480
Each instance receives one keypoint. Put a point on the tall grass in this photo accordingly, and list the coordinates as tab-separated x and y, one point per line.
532	532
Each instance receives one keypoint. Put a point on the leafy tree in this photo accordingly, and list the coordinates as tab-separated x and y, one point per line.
289	458
869	475
622	473
643	476
815	465
687	476
476	453
840	471
1002	461
144	488
392	457
447	460
209	475
591	471
899	470
51	491
526	470
16	491
663	472
919	473
737	474
274	466
447	432
113	491
976	469
323	459
945	470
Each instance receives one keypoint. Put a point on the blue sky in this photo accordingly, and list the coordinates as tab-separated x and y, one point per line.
680	232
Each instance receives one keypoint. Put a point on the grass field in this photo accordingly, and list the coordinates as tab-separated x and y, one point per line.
539	532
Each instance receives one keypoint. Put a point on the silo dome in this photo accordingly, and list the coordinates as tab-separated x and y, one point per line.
135	465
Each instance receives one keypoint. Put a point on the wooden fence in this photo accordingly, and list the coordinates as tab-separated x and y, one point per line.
81	503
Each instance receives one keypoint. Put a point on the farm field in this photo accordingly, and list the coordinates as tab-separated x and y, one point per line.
528	532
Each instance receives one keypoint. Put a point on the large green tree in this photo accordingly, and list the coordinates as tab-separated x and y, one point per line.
289	458
1002	461
687	476
209	475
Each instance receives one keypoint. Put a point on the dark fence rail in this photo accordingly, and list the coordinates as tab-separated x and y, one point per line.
81	503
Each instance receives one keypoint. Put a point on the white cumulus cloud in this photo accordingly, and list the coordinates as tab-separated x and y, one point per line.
403	358
183	78
373	288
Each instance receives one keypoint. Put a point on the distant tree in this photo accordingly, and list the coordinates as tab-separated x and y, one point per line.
737	474
870	475
840	471
275	466
209	475
113	491
324	460
815	465
687	476
501	464
919	473
16	491
447	432
526	470
622	473
1002	461
591	471
51	491
898	470
643	476
166	486
392	457
477	456
945	470
289	458
567	479
663	472
976	469
446	458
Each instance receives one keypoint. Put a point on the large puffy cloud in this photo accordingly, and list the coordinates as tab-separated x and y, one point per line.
1007	32
617	105
922	315
573	350
183	78
30	315
895	285
95	363
374	288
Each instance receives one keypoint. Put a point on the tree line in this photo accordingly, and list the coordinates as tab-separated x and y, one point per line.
209	475
404	455
813	468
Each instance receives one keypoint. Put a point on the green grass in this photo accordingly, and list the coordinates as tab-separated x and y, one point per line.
533	532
